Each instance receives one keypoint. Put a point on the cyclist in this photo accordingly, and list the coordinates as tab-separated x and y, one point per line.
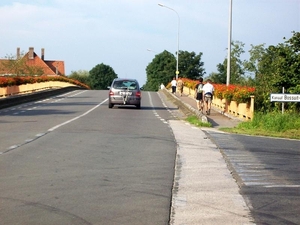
208	92
199	94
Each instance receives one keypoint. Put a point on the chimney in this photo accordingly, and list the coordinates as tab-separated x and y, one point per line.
31	53
18	53
42	54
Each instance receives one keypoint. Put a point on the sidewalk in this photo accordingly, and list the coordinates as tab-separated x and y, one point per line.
204	191
217	119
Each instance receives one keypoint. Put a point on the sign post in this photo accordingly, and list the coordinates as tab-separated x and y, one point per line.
284	98
282	105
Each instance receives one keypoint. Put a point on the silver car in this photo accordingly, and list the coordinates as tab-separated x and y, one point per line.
124	92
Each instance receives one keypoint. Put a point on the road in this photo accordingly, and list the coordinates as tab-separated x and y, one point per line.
267	171
72	160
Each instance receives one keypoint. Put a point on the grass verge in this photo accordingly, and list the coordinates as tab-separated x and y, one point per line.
195	121
272	124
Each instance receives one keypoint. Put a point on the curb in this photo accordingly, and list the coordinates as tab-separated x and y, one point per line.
196	112
189	107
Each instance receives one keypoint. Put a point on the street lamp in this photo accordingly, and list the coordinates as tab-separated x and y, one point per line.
150	50
177	71
229	44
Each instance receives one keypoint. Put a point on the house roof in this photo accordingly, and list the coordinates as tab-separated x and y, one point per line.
49	67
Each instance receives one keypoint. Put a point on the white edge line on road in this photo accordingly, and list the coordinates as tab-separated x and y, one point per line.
282	186
75	118
53	128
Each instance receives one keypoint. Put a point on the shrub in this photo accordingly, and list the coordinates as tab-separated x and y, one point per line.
17	80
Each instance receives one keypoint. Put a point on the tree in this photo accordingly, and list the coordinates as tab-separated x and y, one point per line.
101	76
294	42
160	71
162	68
236	66
80	75
275	67
190	65
256	55
292	62
237	69
219	77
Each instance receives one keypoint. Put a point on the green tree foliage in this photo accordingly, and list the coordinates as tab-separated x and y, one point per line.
236	66
160	71
256	54
162	68
80	75
237	69
294	42
190	65
275	67
101	76
220	76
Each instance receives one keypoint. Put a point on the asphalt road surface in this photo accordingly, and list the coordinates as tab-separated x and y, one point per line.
70	159
267	171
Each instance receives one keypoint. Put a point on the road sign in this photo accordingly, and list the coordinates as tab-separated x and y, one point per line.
285	97
177	72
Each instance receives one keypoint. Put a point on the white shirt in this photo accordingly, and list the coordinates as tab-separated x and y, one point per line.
208	88
173	83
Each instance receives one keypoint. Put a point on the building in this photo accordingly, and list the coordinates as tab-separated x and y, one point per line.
32	60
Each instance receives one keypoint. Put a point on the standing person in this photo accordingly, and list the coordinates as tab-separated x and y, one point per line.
199	94
208	92
180	86
174	84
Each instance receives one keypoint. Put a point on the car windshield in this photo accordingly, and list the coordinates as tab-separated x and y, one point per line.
126	84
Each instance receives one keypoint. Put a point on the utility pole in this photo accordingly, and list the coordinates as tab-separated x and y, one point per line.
229	43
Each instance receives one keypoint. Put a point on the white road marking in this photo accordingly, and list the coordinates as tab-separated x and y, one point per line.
29	140
13	147
77	117
282	186
155	113
54	128
40	134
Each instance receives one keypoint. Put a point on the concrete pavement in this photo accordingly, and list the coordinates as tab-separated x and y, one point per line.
216	118
204	190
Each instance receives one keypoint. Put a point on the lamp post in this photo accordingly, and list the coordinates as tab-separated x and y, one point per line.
229	43
150	50
177	71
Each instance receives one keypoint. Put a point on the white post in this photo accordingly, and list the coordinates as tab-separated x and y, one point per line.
229	43
177	56
282	109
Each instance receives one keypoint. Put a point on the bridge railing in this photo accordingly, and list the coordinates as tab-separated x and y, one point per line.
243	111
31	88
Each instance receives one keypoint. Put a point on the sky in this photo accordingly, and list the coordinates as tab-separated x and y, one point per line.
127	34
